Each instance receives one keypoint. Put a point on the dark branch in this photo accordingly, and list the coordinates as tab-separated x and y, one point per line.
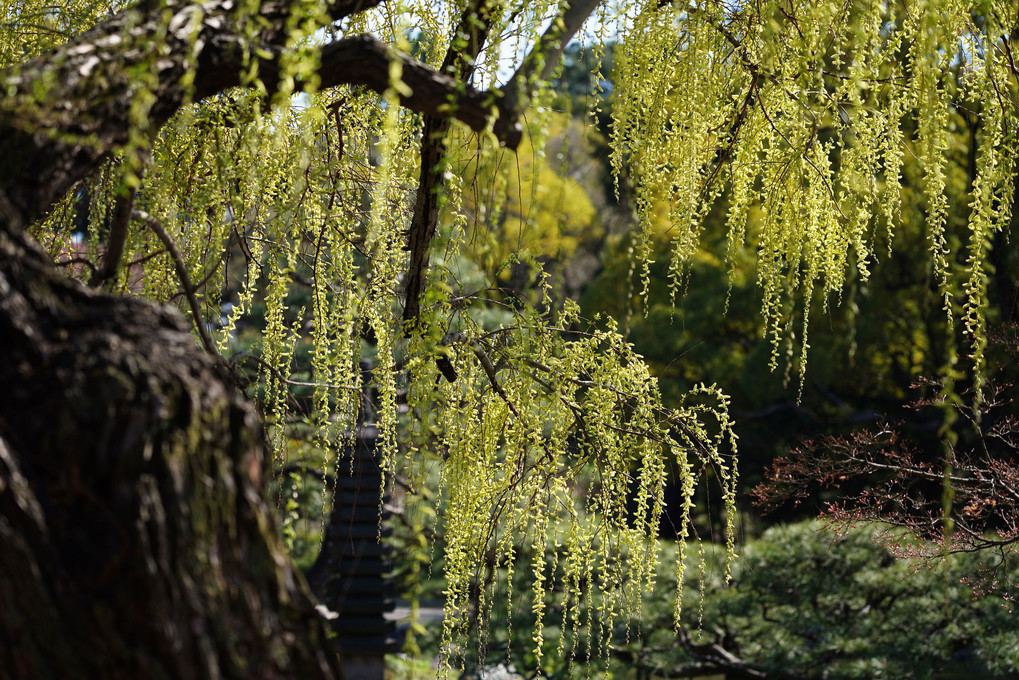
472	31
115	241
185	281
69	109
364	60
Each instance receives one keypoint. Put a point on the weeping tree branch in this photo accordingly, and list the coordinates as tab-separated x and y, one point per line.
137	539
55	130
536	67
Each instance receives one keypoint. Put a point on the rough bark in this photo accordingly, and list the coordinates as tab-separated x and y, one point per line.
134	538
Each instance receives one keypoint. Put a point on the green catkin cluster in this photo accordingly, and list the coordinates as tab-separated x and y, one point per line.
798	114
805	111
535	403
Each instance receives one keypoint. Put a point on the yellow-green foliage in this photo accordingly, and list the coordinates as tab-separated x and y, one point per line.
520	204
799	112
807	109
29	27
535	406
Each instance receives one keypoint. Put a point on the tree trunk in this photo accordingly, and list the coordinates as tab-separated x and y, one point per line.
135	541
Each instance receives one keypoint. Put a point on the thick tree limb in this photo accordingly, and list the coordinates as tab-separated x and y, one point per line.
543	58
364	60
135	541
55	126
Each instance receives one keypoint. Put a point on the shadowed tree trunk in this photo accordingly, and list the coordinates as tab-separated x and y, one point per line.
134	538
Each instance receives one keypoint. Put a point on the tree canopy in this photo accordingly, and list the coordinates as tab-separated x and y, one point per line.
382	157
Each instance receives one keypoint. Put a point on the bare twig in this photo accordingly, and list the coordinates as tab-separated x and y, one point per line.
538	65
185	280
76	261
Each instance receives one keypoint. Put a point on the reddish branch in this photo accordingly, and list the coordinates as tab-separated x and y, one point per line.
886	477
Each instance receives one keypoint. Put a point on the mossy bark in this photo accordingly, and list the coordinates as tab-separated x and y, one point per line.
135	541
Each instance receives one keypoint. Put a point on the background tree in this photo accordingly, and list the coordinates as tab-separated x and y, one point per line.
886	474
131	488
805	602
